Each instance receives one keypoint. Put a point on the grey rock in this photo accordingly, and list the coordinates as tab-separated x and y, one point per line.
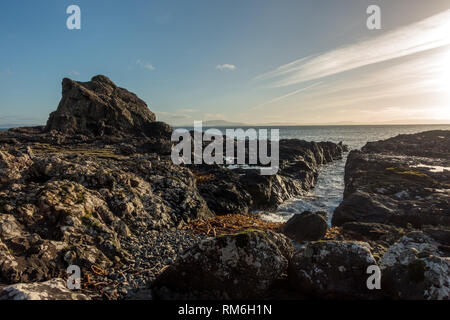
54	289
241	266
332	269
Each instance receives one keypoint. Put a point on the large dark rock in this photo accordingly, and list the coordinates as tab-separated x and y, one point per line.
240	266
414	268
306	226
400	181
332	269
89	208
221	189
98	108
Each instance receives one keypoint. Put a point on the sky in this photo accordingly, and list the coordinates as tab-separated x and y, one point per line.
253	61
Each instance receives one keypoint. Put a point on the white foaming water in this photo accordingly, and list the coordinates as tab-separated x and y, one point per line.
326	195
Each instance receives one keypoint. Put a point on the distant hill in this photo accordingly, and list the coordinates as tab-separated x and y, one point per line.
6	126
222	123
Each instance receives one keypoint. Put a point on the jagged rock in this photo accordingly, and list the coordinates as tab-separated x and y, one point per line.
413	268
332	269
12	163
222	190
241	266
59	209
306	226
382	185
429	144
242	190
95	187
54	289
360	203
99	107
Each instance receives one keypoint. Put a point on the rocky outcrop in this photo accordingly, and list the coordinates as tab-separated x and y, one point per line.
241	266
396	197
399	181
413	268
54	289
332	269
99	107
244	189
58	209
307	226
96	188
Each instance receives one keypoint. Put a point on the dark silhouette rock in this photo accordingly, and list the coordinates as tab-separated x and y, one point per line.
98	108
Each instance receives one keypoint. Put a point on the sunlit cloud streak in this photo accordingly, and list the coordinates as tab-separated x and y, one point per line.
424	35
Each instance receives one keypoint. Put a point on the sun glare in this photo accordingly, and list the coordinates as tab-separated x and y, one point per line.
443	82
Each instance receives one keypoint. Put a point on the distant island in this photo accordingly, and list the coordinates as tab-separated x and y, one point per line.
225	123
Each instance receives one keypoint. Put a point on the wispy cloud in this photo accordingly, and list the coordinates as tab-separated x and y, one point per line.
74	73
420	80
226	67
427	34
145	65
287	95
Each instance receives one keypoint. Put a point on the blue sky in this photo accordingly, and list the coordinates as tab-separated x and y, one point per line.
200	60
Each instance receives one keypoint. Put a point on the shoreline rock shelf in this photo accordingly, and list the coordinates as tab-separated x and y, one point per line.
96	187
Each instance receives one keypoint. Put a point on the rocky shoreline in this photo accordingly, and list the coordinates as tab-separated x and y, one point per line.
96	188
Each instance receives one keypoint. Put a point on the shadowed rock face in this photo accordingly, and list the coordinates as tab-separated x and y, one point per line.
397	181
98	108
240	266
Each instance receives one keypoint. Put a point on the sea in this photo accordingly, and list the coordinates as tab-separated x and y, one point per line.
328	192
329	189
